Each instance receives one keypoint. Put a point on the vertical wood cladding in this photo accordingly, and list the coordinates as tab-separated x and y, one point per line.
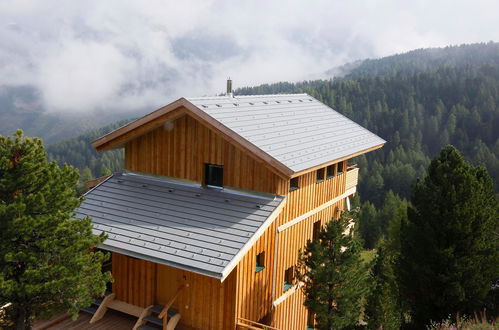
206	303
180	149
134	280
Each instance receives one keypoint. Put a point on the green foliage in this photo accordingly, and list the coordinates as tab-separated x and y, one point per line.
449	246
78	152
334	276
46	263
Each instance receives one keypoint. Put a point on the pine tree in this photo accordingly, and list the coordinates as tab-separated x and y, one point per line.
334	276
46	259
449	252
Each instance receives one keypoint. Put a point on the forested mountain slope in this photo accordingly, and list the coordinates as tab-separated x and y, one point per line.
79	152
452	98
417	113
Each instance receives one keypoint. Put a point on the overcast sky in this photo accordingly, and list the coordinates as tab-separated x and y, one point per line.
94	55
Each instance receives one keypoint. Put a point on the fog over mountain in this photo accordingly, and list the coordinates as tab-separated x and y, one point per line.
116	56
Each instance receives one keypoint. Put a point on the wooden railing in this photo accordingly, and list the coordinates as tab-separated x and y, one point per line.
352	176
248	324
167	325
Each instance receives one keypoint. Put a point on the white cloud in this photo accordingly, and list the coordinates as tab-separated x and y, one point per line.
94	55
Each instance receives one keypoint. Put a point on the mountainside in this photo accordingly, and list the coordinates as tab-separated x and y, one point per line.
452	98
78	151
21	108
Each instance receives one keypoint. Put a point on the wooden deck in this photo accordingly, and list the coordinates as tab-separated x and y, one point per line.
112	320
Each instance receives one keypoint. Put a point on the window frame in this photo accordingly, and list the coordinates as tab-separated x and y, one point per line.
320	175
296	186
289	277
328	174
338	172
260	262
209	182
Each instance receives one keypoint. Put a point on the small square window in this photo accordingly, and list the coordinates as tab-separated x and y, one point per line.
320	175
330	171
214	175
340	168
310	321
289	275
317	229
293	184
260	262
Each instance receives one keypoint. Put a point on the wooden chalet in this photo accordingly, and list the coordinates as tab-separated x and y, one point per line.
217	197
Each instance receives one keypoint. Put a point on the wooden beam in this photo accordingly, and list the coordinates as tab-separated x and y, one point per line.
101	311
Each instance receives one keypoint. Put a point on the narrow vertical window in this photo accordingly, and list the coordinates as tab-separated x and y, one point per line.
260	262
213	175
320	175
330	171
310	321
340	167
317	229
293	184
288	278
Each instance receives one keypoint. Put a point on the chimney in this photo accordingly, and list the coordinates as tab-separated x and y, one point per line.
229	88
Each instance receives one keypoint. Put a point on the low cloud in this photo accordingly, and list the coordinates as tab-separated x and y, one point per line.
127	55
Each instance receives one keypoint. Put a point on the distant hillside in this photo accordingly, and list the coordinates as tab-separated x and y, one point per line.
78	151
421	60
419	102
21	107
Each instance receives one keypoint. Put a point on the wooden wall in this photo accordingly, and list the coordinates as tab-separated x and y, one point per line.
206	303
182	150
134	280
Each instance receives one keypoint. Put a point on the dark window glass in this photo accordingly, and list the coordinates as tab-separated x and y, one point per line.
310	321
317	229
288	278
330	171
320	175
293	184
213	175
340	168
260	262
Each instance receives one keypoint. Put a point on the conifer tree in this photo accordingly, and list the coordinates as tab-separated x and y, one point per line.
46	259
449	247
334	276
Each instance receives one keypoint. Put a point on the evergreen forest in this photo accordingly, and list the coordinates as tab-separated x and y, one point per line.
418	102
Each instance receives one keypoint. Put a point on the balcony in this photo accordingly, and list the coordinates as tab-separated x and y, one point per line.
352	176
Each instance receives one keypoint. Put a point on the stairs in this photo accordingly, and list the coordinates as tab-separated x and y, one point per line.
153	322
92	309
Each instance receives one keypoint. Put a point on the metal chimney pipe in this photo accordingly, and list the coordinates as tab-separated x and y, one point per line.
229	87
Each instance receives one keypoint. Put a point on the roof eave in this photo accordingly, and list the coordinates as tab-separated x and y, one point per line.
310	169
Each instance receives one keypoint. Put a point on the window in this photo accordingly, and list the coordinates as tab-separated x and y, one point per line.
340	168
320	175
317	229
310	321
260	262
293	184
213	175
288	278
330	171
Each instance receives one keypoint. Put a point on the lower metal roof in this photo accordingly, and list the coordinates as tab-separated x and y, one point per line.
188	226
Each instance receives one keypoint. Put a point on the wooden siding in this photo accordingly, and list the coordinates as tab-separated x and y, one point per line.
134	280
204	303
182	150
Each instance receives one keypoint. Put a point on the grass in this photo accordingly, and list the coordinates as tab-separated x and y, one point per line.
478	322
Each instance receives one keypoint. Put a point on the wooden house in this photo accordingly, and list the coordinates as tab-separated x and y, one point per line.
217	197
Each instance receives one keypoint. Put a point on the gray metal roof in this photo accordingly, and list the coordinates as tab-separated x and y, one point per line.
295	129
203	230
